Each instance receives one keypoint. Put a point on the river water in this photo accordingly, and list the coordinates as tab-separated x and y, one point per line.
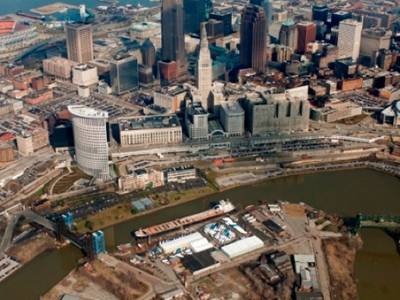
345	193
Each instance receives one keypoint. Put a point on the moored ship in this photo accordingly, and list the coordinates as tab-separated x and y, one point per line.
223	207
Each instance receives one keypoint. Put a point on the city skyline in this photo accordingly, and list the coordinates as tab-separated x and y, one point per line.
194	149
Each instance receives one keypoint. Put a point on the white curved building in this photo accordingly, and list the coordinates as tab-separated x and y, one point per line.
90	137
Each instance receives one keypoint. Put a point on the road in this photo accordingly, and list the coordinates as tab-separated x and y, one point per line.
321	264
23	163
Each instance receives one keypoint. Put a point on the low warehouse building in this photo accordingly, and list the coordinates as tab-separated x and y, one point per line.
242	246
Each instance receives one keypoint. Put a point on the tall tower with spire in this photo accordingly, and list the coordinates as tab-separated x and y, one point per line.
204	68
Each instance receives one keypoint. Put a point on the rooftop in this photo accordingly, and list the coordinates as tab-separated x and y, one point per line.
197	109
7	26
86	112
232	108
143	26
150	122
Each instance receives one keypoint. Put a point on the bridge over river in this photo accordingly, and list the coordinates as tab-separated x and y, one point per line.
385	222
58	228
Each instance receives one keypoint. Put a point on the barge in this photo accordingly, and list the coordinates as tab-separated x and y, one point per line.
223	207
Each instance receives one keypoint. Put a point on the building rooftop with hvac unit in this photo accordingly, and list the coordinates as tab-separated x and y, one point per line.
150	130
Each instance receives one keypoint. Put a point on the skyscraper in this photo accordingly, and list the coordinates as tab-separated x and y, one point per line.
90	138
306	33
172	35
288	34
148	53
339	16
349	39
268	10
124	74
196	12
204	69
253	38
79	42
225	16
320	12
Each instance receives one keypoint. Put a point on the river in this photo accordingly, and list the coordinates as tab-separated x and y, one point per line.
344	192
12	6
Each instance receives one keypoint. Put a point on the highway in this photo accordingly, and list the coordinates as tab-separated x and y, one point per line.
19	166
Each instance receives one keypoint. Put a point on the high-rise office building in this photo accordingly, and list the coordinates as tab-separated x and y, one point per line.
268	10
372	41
215	28
196	121
306	33
172	35
288	34
79	42
253	38
204	69
148	53
196	12
349	39
225	16
232	118
320	12
90	139
339	16
124	73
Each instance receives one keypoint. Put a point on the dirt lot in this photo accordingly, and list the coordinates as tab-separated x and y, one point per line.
96	281
340	255
230	284
294	210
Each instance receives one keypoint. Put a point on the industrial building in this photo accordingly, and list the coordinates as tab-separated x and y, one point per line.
242	246
150	130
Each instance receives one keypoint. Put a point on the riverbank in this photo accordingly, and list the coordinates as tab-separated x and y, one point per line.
122	212
33	246
341	256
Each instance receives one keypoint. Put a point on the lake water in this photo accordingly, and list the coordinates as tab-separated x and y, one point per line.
12	6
